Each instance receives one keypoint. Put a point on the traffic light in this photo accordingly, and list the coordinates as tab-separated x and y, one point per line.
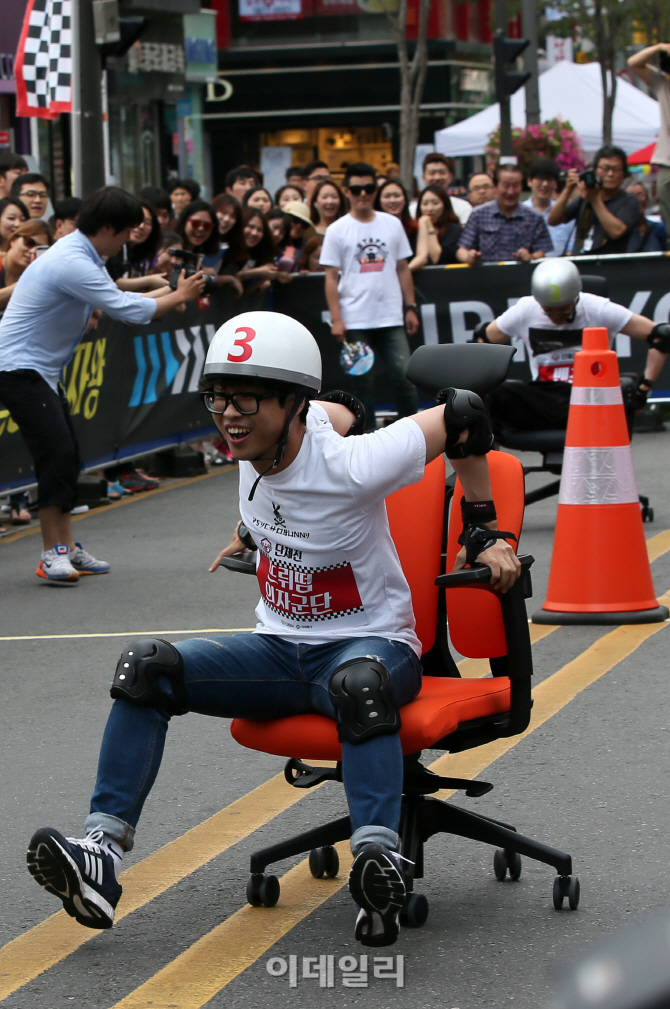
505	52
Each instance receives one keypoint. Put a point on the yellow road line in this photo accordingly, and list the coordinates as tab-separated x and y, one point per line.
215	960
34	952
126	500
658	545
200	972
555	692
125	634
30	954
473	669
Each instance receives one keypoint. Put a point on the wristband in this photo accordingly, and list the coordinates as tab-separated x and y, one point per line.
411	308
476	539
246	537
477	512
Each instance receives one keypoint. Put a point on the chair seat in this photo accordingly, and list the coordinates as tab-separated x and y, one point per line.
441	705
532	441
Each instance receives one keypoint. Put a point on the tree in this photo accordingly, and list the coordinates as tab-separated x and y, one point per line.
412	80
608	24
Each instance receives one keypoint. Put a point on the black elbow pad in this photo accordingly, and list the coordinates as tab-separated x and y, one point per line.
465	410
659	338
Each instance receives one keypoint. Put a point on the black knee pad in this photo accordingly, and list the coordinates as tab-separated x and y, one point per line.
362	693
138	676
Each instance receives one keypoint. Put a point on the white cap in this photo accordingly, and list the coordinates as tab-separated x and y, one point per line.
268	346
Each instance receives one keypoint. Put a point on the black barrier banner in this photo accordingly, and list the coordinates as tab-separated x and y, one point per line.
454	300
133	389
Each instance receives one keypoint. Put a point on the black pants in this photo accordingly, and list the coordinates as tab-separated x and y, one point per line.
536	406
43	418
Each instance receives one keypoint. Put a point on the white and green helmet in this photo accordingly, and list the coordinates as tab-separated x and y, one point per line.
555	282
268	346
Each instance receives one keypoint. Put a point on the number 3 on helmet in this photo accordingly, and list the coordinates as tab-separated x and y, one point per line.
243	344
268	346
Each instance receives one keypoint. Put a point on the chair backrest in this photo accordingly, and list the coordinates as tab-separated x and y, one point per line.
416	520
475	618
593	284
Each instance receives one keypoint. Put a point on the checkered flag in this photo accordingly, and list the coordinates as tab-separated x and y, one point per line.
43	65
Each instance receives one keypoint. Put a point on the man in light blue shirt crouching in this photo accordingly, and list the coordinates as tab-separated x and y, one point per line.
45	320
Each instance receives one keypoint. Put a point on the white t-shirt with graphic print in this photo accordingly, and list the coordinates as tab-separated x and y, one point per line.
367	255
327	566
551	346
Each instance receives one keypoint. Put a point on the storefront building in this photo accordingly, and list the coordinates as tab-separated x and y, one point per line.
320	79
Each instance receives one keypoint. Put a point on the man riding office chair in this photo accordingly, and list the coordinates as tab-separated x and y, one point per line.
336	627
533	416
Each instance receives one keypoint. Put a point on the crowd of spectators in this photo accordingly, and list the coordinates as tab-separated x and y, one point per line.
249	239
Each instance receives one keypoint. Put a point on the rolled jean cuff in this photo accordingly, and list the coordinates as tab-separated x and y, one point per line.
374	835
117	829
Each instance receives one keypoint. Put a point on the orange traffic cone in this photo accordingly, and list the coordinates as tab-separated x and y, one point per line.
600	571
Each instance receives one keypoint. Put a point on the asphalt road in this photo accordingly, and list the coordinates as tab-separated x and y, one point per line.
591	779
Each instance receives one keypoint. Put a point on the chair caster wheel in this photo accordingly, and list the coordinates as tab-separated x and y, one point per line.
415	912
262	889
505	861
566	886
647	514
324	862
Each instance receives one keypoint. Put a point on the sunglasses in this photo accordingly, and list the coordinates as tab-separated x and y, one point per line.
369	188
29	243
199	225
246	403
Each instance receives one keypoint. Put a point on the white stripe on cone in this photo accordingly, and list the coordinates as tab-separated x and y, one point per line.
598	476
590	396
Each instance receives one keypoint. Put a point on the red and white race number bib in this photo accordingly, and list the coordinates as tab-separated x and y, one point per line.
307	595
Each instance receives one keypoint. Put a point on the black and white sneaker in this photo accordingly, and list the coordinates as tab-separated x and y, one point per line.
377	885
80	872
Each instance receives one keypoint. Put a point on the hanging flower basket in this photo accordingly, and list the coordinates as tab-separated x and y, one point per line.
554	139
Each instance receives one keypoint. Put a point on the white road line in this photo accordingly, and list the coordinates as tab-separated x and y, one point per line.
126	634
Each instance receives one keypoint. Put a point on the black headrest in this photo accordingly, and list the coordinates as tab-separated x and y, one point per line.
593	284
480	367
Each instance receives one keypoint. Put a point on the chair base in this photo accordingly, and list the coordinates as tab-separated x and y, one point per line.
422	816
651	616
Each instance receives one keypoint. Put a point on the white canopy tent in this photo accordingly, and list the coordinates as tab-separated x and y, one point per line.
572	91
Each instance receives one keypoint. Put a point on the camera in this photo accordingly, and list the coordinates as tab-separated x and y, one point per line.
664	61
589	178
190	263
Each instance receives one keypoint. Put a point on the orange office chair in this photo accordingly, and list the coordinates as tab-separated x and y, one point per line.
449	713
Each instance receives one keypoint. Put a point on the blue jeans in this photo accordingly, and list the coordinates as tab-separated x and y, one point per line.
258	676
391	346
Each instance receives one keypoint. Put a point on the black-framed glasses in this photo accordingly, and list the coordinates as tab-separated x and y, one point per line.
245	403
369	188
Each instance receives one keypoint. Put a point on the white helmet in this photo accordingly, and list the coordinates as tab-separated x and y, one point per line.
555	282
265	345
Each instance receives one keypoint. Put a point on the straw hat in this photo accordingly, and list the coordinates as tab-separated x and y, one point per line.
299	210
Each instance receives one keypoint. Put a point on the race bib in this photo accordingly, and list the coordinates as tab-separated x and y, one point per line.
304	596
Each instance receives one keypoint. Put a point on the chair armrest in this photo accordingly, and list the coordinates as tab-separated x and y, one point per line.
244	564
478	576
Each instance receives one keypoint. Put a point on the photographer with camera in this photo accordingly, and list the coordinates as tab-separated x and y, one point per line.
45	320
657	80
605	213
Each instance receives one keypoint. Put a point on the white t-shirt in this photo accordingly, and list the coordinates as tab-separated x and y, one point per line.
659	86
551	348
327	566
367	255
461	208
